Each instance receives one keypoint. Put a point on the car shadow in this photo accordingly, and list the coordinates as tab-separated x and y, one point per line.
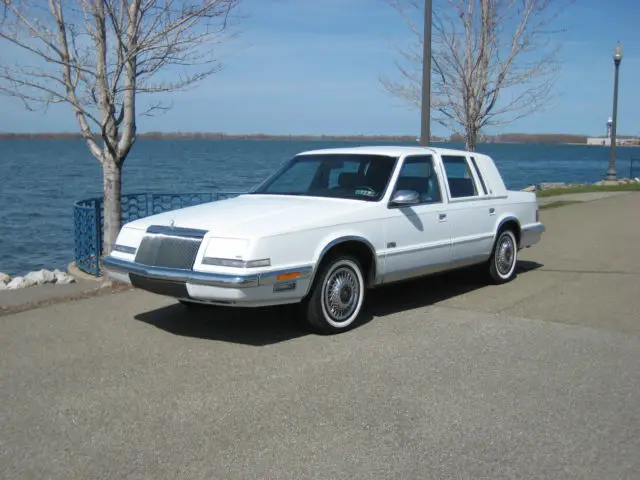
248	326
409	295
270	325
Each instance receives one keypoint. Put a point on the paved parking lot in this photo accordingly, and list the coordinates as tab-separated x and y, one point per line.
449	378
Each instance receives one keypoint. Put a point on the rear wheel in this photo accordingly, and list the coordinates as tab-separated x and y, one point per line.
337	296
502	264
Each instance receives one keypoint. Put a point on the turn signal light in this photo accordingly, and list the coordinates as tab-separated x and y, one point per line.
288	276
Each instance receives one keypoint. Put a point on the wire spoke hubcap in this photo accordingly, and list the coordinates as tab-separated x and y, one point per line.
505	255
342	291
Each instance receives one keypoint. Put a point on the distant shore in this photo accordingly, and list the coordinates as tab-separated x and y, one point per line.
514	138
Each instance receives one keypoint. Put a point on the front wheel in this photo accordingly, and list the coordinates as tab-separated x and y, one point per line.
502	264
337	296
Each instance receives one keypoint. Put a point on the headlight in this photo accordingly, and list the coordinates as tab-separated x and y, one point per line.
229	252
128	240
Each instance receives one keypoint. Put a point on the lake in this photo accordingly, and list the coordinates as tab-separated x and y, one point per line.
41	179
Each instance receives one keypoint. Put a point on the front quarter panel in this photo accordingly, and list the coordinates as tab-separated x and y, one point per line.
308	247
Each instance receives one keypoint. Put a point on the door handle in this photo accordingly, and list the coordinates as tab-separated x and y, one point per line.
442	217
492	211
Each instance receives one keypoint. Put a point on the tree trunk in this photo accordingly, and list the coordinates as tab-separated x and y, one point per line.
471	140
112	176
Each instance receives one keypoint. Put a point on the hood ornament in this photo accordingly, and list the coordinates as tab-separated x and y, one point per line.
172	224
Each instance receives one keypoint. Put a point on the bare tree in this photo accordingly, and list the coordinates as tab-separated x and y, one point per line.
98	56
493	61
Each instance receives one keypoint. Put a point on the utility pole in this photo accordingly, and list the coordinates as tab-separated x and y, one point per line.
425	130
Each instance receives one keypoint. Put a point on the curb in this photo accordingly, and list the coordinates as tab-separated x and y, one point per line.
74	271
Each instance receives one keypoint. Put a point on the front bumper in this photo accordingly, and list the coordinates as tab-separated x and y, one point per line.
117	265
261	288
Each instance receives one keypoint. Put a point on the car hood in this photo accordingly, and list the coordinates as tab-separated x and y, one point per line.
249	216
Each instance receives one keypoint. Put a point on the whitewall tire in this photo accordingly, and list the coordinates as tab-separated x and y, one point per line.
338	294
502	264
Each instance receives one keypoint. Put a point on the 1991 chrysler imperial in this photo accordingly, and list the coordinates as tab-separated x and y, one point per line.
329	225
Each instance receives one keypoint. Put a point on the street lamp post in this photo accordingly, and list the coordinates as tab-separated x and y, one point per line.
617	58
425	110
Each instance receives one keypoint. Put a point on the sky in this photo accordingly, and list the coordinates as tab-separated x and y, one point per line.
313	67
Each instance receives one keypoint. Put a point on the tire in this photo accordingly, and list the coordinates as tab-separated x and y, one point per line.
502	264
337	296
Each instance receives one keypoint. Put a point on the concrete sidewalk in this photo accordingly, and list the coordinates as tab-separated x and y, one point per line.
13	301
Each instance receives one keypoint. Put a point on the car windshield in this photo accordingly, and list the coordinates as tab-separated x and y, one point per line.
358	177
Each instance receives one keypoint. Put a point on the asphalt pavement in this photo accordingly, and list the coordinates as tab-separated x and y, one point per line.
448	379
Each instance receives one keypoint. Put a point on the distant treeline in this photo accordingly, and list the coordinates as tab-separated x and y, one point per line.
547	138
526	138
219	136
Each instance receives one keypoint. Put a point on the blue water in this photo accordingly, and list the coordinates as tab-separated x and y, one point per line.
41	179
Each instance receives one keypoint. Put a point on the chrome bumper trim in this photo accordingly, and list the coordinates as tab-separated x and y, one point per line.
534	229
531	235
179	275
203	278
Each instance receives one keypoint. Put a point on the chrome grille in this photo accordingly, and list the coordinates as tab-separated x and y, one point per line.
168	250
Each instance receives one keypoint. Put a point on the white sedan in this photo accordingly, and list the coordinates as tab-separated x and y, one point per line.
328	226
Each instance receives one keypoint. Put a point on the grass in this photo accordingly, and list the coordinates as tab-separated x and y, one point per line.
589	188
556	204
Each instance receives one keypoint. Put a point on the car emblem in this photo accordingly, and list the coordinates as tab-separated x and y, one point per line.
172	224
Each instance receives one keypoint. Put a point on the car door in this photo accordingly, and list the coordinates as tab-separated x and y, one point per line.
417	235
470	210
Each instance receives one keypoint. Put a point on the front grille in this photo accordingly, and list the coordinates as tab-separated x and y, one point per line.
168	251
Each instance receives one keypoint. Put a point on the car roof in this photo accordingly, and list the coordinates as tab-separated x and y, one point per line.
386	150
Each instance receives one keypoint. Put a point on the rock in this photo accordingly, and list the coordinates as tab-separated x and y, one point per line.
4	278
530	188
20	282
62	278
3	286
549	185
41	277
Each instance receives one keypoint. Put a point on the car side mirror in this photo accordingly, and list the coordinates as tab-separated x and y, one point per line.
405	197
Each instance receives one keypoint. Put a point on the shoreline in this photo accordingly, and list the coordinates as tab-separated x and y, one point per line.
502	139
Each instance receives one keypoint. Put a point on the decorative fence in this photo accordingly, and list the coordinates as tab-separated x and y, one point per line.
88	219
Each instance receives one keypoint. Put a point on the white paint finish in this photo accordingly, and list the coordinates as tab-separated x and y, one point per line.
490	175
255	216
421	238
260	296
472	228
296	231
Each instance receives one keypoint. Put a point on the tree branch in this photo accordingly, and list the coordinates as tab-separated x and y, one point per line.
481	50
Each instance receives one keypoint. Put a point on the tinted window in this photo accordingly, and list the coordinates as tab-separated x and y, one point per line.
459	177
348	172
359	177
418	174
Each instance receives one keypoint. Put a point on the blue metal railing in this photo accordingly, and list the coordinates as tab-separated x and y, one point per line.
88	219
